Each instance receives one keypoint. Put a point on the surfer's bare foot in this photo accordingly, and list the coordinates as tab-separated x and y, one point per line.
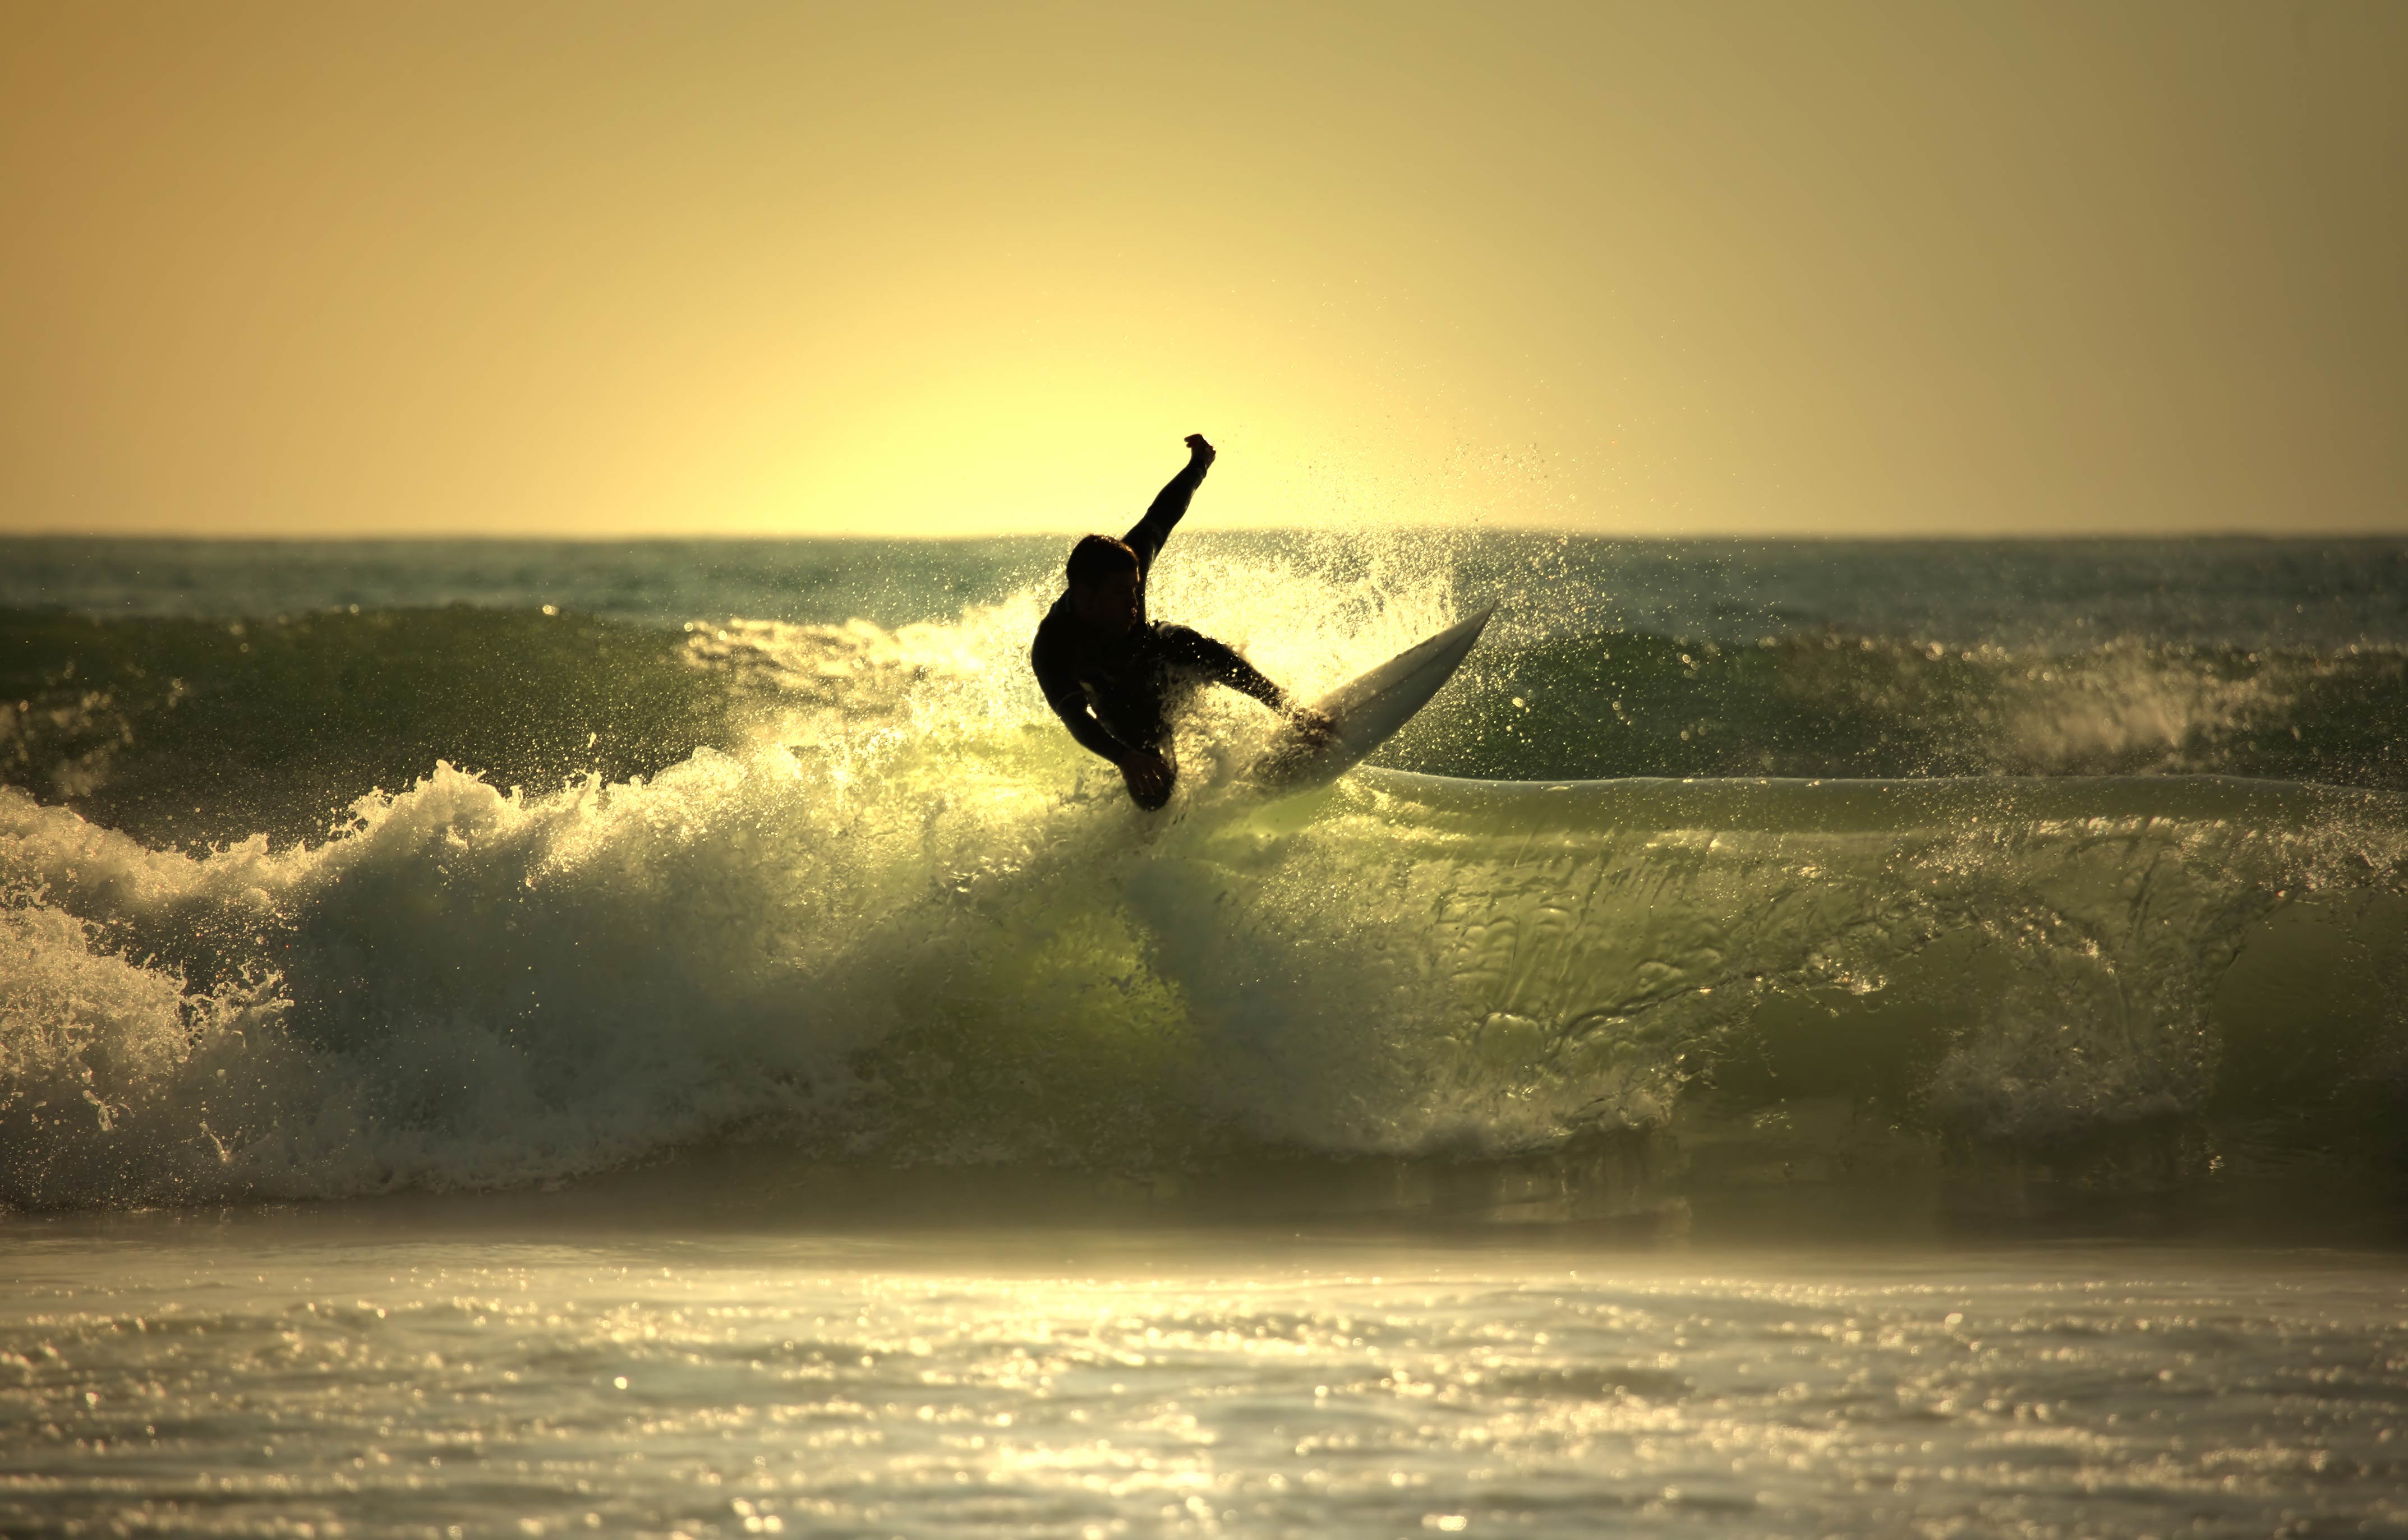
1201	449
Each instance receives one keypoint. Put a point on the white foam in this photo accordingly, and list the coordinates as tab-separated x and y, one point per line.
909	920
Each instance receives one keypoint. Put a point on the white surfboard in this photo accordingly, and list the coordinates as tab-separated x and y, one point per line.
1365	711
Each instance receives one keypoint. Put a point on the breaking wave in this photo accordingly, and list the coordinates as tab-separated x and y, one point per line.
846	890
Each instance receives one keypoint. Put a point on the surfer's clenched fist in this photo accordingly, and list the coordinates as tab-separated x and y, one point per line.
1149	777
1115	677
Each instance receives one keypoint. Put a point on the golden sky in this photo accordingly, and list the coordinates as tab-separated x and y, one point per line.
595	268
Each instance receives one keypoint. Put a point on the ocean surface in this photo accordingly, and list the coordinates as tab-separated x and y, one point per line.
514	1038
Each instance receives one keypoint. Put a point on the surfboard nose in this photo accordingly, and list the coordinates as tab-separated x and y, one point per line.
1367	710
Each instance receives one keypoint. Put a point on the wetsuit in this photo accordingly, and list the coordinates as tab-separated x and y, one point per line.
1116	693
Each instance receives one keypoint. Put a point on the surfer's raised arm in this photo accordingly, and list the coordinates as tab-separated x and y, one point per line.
1169	504
1114	677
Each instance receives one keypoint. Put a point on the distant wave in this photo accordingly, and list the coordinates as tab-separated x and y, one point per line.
188	730
1831	704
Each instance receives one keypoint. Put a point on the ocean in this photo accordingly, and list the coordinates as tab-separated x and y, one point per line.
671	1038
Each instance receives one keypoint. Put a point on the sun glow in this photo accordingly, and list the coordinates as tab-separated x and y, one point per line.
607	269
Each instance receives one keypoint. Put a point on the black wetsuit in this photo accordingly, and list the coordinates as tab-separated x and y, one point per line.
1116	693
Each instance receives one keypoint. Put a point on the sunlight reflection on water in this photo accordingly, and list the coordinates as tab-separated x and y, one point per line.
1181	1383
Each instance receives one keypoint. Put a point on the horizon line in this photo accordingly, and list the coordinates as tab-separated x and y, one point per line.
733	537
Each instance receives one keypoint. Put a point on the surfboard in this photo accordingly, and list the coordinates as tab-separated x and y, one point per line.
1365	711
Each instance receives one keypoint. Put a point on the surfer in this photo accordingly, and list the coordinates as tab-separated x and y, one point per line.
1115	677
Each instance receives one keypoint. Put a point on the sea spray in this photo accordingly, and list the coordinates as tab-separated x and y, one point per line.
473	988
846	890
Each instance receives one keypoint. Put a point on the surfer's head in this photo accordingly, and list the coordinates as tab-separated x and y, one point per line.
1105	587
